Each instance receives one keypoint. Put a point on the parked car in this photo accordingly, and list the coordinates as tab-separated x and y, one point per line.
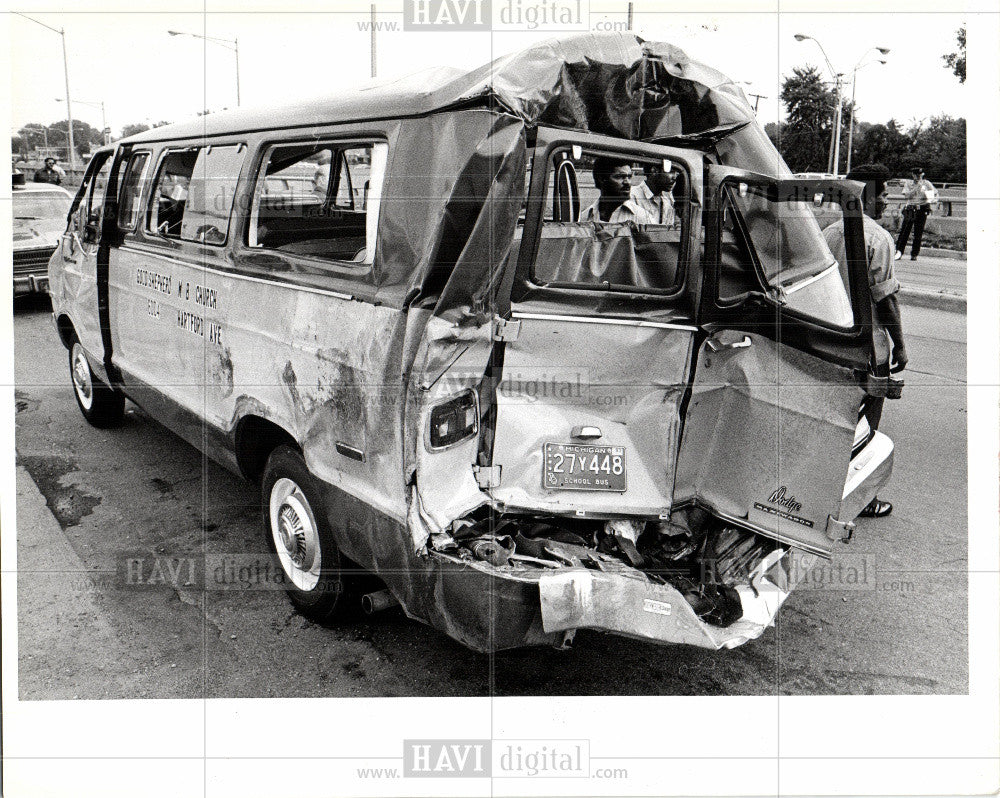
39	212
524	420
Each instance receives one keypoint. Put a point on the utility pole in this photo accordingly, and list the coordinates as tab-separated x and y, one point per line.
69	109
630	16
756	99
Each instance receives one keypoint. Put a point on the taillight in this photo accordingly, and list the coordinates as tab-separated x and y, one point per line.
454	420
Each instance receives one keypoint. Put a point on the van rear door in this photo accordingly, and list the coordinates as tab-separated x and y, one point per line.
593	354
774	406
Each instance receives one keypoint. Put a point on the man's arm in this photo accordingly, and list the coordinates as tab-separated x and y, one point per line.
889	317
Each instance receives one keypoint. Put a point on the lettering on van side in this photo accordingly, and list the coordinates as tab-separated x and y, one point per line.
155	280
196	325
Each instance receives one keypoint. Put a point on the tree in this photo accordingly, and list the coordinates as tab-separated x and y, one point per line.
131	130
85	137
140	127
956	61
886	144
939	149
804	139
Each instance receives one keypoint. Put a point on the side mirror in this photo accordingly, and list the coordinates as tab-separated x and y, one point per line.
91	233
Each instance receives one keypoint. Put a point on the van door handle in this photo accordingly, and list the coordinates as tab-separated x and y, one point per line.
715	346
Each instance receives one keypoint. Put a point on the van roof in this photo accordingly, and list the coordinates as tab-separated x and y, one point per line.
646	90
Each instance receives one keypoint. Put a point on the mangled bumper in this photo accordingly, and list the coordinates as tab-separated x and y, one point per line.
616	603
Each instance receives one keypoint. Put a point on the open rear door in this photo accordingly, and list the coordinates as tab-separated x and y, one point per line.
593	352
770	424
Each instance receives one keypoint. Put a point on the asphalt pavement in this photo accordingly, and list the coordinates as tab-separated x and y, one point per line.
89	499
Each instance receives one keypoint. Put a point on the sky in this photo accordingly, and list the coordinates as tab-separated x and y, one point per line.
127	60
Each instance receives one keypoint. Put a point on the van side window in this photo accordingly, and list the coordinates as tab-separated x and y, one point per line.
170	192
319	200
210	194
612	221
131	193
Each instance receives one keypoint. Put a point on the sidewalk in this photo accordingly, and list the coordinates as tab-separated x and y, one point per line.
935	280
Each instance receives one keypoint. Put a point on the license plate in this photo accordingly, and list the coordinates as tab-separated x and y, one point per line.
575	466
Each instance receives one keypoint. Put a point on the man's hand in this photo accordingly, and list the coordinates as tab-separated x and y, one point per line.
899	359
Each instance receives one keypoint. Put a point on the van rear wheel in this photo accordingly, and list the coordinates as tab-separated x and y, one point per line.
100	404
300	536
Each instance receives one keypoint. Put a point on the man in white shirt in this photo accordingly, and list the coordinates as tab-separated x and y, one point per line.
654	196
919	195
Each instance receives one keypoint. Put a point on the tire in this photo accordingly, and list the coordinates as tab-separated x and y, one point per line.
300	536
100	404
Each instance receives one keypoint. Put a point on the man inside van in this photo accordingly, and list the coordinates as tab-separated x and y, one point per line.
882	283
654	196
614	180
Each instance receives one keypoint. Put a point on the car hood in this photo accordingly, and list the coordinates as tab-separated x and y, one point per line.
36	233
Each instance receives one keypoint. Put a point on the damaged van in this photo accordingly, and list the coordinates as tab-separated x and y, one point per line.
414	315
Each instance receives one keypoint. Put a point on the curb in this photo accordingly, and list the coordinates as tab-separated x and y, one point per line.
931	299
951	254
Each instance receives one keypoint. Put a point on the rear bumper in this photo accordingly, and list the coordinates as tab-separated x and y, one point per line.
870	469
584	599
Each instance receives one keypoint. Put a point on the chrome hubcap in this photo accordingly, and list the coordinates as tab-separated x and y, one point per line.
296	538
82	383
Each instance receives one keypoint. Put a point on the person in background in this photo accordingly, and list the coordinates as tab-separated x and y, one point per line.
654	196
49	173
919	195
883	285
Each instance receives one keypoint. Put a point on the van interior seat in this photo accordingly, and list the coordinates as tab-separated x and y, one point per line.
310	228
621	254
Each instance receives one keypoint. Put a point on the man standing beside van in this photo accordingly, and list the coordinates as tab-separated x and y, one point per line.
919	195
882	283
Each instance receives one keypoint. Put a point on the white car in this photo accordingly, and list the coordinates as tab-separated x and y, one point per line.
39	211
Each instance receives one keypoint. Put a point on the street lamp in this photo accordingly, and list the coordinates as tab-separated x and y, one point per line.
854	84
834	160
104	121
229	44
69	109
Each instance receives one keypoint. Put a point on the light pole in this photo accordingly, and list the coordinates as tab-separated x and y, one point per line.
69	109
104	120
834	160
854	84
230	44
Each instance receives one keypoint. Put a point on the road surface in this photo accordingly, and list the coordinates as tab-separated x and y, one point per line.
87	498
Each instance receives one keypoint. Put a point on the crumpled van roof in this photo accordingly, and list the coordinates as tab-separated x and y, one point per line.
615	84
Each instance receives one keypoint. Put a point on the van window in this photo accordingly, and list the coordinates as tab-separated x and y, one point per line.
211	193
794	238
131	193
613	222
319	200
168	200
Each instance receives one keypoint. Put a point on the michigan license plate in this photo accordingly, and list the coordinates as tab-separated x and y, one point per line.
575	466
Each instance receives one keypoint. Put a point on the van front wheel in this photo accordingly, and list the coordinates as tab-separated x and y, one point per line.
300	536
100	404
